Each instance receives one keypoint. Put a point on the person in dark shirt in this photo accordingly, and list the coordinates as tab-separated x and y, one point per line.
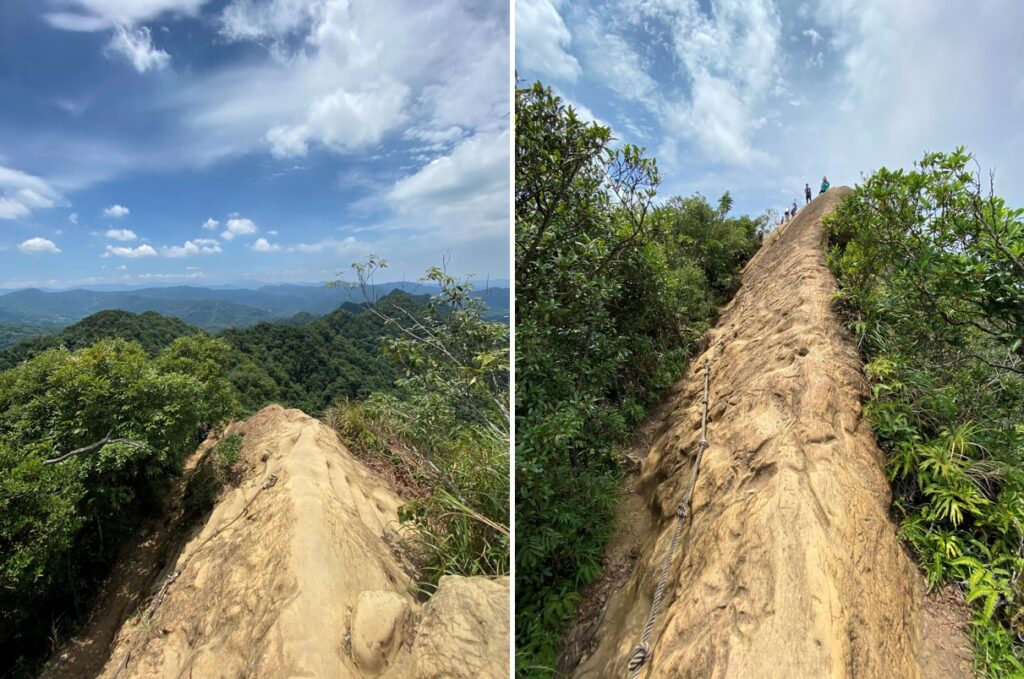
807	192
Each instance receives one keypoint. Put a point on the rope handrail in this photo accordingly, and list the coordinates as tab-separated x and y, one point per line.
642	651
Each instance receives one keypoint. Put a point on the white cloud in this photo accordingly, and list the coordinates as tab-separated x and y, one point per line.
121	267
95	15
21	193
263	245
251	20
272	232
198	246
346	77
344	120
345	246
136	45
116	211
140	251
121	234
210	224
170	276
813	35
73	217
542	40
239	226
39	246
462	194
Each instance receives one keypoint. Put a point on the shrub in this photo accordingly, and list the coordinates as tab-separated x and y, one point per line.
445	429
930	268
62	523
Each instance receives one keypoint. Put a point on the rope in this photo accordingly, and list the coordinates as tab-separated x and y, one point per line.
642	651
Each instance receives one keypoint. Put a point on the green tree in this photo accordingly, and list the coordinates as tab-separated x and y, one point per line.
929	264
88	440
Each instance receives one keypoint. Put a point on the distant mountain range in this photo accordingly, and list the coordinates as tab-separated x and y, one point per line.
212	309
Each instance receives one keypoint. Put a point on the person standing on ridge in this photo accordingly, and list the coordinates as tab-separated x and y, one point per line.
792	208
807	192
824	185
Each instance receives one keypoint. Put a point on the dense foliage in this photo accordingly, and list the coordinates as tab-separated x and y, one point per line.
61	523
307	363
931	270
445	427
11	333
612	294
311	365
152	331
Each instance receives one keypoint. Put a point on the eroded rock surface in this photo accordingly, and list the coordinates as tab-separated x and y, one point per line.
292	575
791	566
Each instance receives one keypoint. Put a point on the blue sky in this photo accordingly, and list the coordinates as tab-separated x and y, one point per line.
226	141
758	97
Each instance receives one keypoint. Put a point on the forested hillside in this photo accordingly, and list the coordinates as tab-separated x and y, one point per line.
307	363
11	333
151	330
613	291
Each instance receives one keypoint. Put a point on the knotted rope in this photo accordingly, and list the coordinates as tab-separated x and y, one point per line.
642	651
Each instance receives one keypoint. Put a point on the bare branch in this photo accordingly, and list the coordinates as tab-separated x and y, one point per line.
93	446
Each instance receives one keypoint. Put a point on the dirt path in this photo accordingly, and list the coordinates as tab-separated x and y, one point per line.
790	566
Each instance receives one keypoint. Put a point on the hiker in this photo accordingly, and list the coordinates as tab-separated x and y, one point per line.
807	192
785	216
824	185
792	209
204	432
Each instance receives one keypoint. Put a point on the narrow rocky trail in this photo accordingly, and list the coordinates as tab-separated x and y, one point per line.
790	565
295	573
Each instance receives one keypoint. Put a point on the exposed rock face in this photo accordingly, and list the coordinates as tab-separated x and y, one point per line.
790	566
465	630
292	575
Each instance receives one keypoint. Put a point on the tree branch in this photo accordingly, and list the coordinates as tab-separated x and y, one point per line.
93	446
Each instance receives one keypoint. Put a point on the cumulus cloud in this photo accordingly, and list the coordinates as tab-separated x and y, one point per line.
239	226
343	119
198	246
21	193
813	35
263	245
120	234
136	46
119	251
211	224
73	217
463	193
116	211
39	246
543	40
